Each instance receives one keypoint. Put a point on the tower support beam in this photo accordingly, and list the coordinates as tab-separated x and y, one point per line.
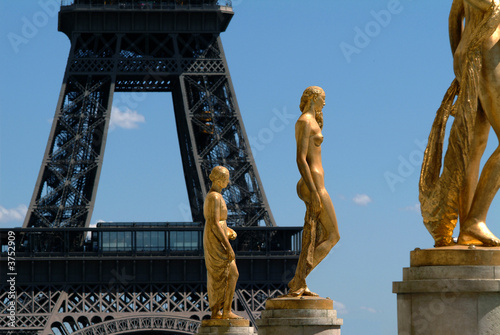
176	49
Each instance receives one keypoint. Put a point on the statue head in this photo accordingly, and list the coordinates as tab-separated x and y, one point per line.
219	173
311	94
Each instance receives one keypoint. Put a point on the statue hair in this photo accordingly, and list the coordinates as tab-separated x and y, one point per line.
309	93
218	173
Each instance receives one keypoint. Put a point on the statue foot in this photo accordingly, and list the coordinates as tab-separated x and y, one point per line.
308	293
231	315
444	242
300	292
478	234
297	288
294	293
464	239
216	315
297	293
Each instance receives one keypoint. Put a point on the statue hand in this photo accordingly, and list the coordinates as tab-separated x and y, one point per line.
231	234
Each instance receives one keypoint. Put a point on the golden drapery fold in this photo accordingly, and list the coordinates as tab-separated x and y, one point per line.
217	264
439	191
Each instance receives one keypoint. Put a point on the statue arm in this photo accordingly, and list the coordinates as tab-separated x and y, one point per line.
212	220
455	23
303	133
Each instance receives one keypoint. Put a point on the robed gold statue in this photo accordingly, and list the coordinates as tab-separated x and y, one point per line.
222	273
461	190
320	232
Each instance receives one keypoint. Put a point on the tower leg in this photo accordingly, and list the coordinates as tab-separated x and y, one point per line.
66	187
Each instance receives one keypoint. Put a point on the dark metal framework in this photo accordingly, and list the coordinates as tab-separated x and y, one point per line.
131	278
93	289
119	46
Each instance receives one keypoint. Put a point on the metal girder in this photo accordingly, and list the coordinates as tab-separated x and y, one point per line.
64	192
81	309
165	49
115	278
210	129
217	137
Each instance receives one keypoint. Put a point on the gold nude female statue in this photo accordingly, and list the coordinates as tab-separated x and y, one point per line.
460	191
320	232
222	273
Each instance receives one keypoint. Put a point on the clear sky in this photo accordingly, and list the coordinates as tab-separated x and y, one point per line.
384	65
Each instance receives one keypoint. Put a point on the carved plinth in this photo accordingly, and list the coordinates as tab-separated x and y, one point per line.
450	290
225	327
304	316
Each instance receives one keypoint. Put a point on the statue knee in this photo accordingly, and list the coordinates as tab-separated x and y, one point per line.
233	272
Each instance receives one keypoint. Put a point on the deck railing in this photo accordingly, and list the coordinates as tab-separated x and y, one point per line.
172	240
145	5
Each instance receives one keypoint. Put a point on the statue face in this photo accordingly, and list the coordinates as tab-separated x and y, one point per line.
225	181
320	101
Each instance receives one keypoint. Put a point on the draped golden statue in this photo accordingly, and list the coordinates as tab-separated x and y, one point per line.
320	224
222	273
460	191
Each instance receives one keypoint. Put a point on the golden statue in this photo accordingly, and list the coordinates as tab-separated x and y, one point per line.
222	273
461	191
320	224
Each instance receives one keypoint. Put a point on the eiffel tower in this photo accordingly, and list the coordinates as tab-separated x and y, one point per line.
141	278
146	46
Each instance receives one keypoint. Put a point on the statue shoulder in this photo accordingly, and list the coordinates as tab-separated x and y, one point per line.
303	121
214	196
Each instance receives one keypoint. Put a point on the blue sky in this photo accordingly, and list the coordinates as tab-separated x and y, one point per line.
384	65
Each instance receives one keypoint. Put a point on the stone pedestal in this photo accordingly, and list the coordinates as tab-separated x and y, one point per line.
299	316
450	290
225	327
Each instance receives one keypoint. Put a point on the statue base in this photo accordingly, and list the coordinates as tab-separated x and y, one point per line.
450	290
225	327
294	316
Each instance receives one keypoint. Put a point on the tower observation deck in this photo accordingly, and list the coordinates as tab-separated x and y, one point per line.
139	278
132	277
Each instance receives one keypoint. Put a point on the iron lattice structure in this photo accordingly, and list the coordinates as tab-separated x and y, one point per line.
146	46
71	279
97	309
131	279
103	310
